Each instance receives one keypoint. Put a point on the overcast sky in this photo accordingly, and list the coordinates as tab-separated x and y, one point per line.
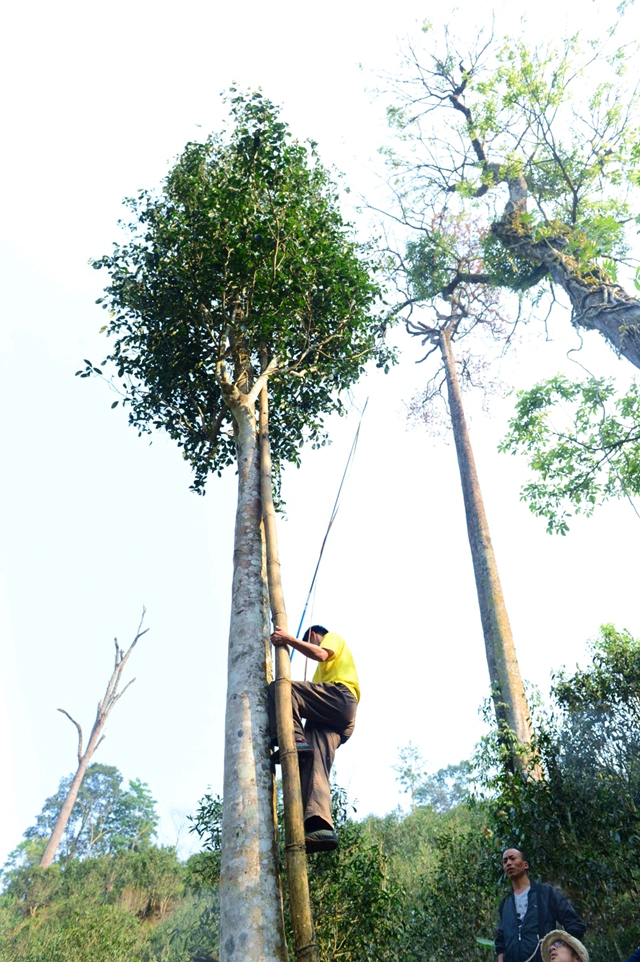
95	522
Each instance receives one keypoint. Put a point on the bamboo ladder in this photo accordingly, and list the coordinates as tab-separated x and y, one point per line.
306	947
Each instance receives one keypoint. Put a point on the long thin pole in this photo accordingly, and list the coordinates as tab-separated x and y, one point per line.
306	947
333	517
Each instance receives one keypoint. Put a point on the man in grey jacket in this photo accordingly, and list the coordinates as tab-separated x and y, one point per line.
531	911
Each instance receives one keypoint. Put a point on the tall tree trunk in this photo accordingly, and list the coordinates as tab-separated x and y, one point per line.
306	947
251	922
105	706
506	682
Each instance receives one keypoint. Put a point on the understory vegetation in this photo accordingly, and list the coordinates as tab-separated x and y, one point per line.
418	885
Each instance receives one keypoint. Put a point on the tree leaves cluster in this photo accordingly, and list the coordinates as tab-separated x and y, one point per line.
121	897
240	264
105	819
580	825
541	143
582	443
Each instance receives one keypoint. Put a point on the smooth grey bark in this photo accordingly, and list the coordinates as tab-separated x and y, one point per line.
110	698
504	673
251	919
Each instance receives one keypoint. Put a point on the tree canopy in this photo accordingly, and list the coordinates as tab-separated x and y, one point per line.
542	142
240	264
106	817
582	443
580	825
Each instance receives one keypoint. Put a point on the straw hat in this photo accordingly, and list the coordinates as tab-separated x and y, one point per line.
569	940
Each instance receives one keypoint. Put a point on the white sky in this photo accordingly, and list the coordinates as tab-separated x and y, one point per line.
95	522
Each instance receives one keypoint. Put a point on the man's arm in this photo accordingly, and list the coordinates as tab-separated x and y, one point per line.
567	916
280	637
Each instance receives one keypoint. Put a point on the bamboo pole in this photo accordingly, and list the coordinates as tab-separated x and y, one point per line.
306	947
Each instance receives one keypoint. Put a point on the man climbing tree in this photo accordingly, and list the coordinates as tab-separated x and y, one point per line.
240	272
328	703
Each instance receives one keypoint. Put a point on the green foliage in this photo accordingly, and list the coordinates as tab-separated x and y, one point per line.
580	825
119	898
75	934
190	933
557	124
410	842
612	682
507	268
455	905
582	441
572	136
441	791
204	867
446	788
423	886
241	262
432	263
105	817
357	908
101	909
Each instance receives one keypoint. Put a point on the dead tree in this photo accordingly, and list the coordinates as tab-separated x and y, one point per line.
105	706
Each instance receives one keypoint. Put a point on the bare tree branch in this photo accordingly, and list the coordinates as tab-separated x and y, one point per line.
79	731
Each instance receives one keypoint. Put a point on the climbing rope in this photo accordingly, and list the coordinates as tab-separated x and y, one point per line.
334	512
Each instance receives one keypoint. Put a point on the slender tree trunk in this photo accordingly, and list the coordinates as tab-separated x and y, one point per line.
506	682
65	811
251	921
304	935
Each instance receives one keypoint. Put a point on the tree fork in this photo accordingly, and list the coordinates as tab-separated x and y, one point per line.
306	947
597	302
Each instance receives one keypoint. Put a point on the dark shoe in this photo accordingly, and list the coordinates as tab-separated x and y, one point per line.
304	748
323	840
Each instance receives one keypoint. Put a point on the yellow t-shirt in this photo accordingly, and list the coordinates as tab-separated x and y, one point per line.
340	667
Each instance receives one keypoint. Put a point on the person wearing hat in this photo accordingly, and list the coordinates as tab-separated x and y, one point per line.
532	910
559	946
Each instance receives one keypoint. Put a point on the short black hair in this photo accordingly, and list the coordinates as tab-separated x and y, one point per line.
522	854
317	629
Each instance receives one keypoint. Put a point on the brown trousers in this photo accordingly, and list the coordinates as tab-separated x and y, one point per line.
330	713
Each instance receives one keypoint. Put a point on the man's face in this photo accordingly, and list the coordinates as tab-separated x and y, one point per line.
513	863
560	952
